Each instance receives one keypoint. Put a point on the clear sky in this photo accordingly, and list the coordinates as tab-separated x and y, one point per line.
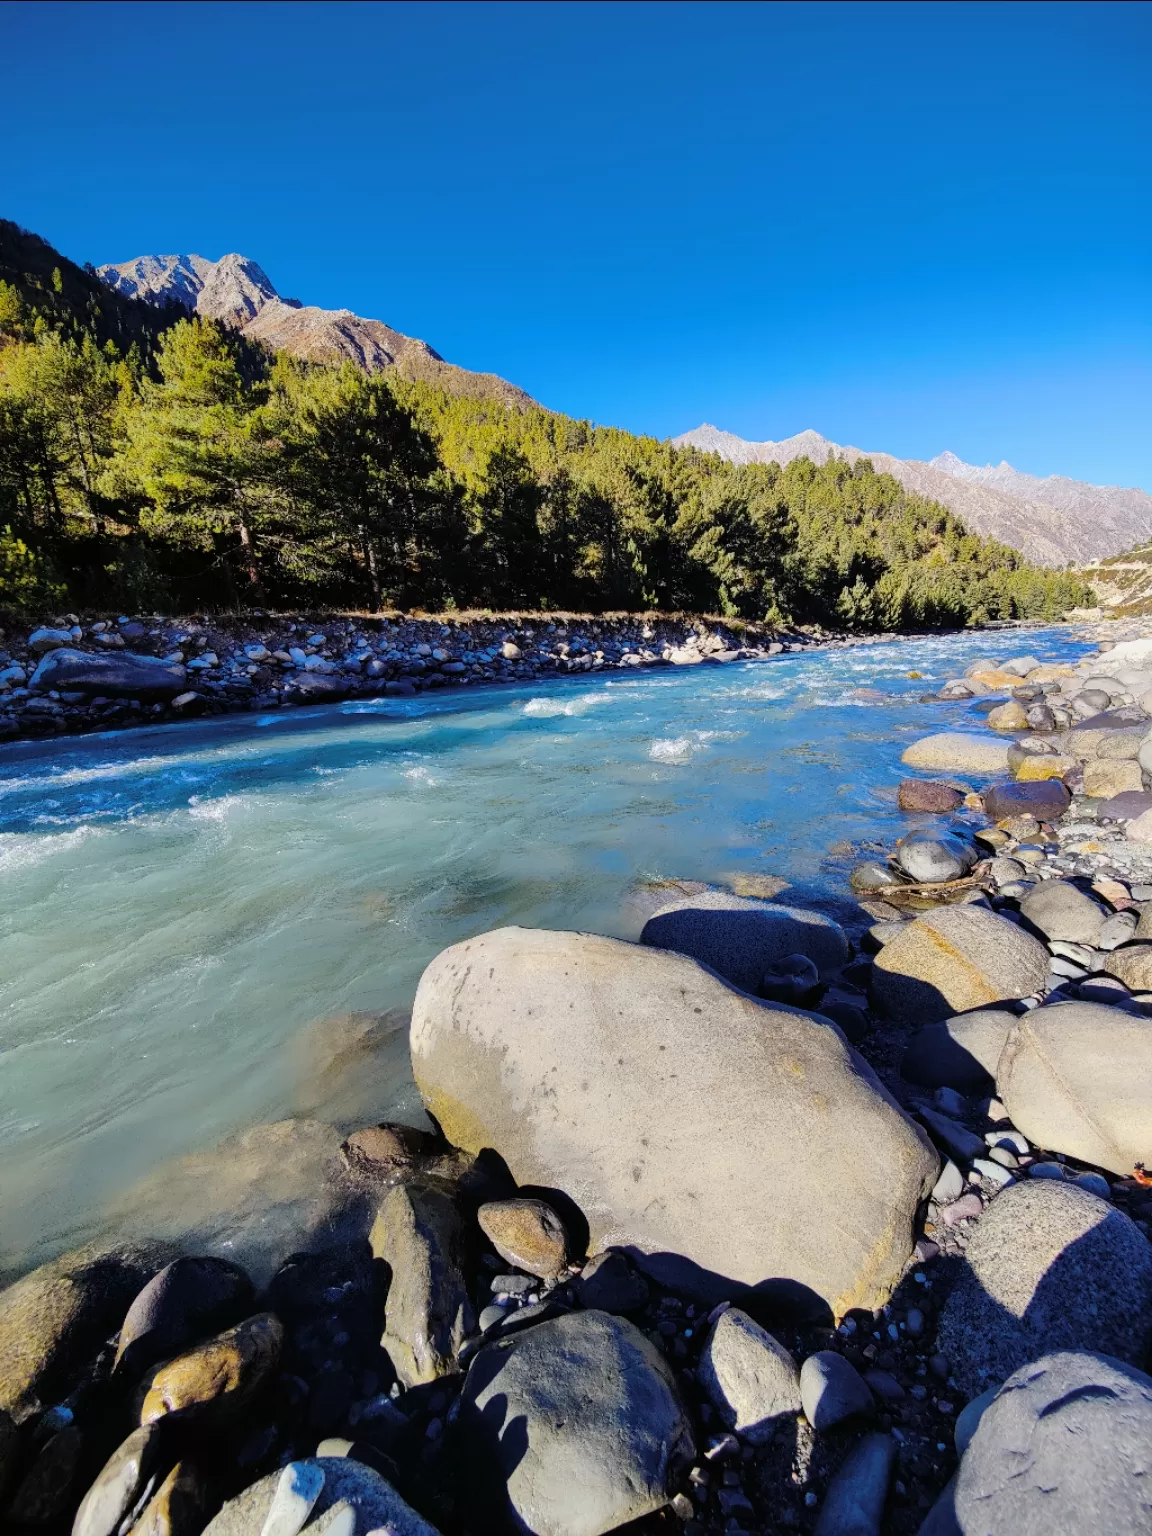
912	227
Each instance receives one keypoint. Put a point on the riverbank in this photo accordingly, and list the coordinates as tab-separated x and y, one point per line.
943	1188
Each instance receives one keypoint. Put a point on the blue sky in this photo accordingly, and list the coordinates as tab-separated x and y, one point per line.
909	226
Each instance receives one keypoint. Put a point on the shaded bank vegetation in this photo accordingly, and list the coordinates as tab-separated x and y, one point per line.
152	461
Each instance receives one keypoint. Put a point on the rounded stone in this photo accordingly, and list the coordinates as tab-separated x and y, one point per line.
953	960
749	1376
964	751
189	1298
217	1380
117	1488
740	938
1046	801
961	1052
928	795
528	1233
929	859
1049	1267
1035	767
353	1501
1011	716
1063	913
832	1390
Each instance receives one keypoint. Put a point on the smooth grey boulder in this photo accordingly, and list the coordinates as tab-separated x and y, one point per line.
120	1483
965	751
749	1376
188	1300
854	1502
953	960
1077	1078
961	1052
1049	1267
572	1428
123	676
930	858
717	1137
740	937
1061	911
54	1318
832	1390
351	1492
1064	1448
419	1234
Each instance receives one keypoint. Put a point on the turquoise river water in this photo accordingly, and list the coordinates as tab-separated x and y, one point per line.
197	921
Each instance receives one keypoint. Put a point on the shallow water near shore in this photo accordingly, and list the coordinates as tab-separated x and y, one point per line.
182	908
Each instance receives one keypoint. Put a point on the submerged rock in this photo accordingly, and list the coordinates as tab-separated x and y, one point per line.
717	1136
573	1428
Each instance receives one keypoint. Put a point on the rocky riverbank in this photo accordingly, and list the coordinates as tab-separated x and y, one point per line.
764	1223
69	676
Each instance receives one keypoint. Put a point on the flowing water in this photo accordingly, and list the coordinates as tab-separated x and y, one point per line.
197	921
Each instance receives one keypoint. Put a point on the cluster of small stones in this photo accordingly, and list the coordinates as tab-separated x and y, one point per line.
270	662
203	1386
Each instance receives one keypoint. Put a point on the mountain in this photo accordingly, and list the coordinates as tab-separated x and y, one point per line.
239	292
1054	521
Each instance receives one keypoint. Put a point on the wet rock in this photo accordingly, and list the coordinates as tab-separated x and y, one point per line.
750	1378
627	1128
961	1052
120	1483
573	1427
178	1507
53	1483
832	1390
188	1299
609	1283
528	1233
1063	912
741	939
419	1234
1046	801
956	959
385	1151
926	858
216	1381
1049	1267
354	1500
124	676
928	795
1061	1450
1077	1078
872	877
58	1316
963	751
854	1503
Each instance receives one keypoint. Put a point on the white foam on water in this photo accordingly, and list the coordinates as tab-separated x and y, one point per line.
673	749
421	775
545	709
24	850
219	809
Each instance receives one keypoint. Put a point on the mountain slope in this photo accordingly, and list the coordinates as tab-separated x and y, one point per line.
239	292
1052	521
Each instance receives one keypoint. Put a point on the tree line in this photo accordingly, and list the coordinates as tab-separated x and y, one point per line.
195	470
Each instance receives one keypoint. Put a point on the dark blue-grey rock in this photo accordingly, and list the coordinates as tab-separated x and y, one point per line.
929	858
832	1390
190	1299
610	1283
572	1428
854	1502
1050	1267
741	938
1064	1449
354	1500
122	676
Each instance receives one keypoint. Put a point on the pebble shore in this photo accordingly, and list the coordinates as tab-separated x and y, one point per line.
451	1344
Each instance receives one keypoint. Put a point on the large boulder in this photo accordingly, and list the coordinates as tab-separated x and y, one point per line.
350	1492
717	1136
961	1052
572	1428
1061	911
964	751
124	676
58	1316
419	1234
1077	1078
1049	1267
741	938
953	960
1062	1449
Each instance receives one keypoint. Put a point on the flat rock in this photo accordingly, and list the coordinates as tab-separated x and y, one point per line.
832	1390
187	1300
749	1376
419	1234
667	1105
572	1428
123	676
1077	1078
1062	1450
1046	800
1049	1267
928	795
953	960
741	938
1061	911
349	1485
59	1315
215	1382
528	1233
961	1052
965	751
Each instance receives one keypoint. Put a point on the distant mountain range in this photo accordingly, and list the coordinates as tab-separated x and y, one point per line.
1053	520
236	290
